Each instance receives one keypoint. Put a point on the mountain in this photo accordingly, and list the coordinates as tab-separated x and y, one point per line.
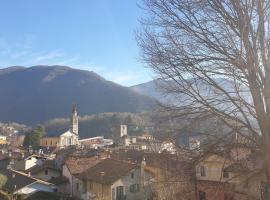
154	90
149	88
40	93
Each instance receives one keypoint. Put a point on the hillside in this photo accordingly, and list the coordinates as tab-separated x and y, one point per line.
106	124
155	89
40	93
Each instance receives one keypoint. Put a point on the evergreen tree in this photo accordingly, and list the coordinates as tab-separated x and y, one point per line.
33	137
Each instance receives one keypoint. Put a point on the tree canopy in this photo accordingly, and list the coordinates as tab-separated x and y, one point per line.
33	137
213	56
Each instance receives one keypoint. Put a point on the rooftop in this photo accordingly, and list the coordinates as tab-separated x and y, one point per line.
16	180
78	165
107	171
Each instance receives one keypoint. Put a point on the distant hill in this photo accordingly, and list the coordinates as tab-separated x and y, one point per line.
149	88
152	89
155	89
40	93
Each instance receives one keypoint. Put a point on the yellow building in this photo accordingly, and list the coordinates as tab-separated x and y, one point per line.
3	142
50	141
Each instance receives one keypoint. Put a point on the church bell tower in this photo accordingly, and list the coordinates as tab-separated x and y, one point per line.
74	120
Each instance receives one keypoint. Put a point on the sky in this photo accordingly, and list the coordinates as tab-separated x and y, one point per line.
96	35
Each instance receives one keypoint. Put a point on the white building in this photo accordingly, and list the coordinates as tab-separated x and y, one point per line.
68	138
2	137
71	137
125	139
96	142
169	146
123	130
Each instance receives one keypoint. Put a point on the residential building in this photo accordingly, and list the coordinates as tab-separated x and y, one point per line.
21	183
26	161
161	169
75	165
169	146
112	179
223	178
46	171
96	142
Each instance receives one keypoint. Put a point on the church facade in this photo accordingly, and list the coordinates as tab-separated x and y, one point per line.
68	138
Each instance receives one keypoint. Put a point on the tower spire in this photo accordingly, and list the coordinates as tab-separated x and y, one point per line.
74	120
74	108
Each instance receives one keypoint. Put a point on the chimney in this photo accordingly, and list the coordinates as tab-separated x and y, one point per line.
29	174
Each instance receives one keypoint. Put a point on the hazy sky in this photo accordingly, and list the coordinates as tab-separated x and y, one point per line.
93	35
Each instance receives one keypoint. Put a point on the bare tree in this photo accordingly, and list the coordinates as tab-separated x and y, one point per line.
213	58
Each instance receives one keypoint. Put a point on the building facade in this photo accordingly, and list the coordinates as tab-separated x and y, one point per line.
69	138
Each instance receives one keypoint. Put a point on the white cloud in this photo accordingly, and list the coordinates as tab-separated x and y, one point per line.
48	56
18	54
67	61
127	78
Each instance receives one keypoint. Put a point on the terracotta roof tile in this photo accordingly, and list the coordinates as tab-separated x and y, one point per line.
107	171
78	165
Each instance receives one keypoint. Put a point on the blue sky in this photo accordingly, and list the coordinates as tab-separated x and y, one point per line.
95	35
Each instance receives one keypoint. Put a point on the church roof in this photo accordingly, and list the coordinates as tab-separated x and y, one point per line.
67	133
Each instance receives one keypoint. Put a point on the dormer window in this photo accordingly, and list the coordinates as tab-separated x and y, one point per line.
202	171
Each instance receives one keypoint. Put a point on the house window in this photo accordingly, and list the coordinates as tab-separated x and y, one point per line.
120	193
132	175
202	195
202	170
225	174
46	172
77	186
134	188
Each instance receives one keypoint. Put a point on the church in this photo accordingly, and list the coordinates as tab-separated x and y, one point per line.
68	138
